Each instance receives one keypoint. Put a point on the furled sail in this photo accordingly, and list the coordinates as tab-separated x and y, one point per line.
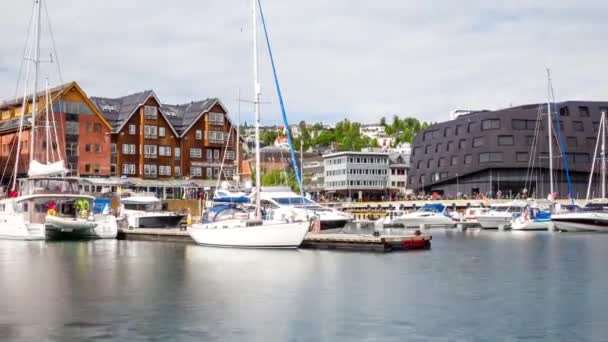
38	169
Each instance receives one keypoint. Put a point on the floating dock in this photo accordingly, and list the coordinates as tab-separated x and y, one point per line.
365	242
330	241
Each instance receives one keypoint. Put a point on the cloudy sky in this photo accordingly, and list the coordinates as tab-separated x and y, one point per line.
336	58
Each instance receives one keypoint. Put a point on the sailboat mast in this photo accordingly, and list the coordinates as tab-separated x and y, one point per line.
257	89
603	130
47	122
595	150
238	137
549	132
36	69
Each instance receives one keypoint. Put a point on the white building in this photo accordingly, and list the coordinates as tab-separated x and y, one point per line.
361	175
399	164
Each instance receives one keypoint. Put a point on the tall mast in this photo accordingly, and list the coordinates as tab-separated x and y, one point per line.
549	132
257	90
36	68
238	137
603	130
47	122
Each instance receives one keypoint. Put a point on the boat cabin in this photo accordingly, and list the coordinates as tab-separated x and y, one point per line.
48	185
142	203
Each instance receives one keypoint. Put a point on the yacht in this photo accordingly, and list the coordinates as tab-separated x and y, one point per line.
591	218
281	203
430	214
145	211
500	214
532	218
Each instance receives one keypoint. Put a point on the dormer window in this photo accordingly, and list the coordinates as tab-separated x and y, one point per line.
150	112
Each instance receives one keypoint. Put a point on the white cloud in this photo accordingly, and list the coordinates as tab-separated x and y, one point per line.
336	59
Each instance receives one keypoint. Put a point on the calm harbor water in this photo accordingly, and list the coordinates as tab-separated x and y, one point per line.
472	286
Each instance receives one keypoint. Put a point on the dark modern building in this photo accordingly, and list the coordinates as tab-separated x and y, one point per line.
507	150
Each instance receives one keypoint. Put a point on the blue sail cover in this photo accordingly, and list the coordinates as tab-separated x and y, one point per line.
228	199
438	207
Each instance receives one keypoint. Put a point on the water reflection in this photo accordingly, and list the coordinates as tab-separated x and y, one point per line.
473	285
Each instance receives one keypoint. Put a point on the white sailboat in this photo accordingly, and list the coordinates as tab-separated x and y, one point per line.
46	204
594	216
227	228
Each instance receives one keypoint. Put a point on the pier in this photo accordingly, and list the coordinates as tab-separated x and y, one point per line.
327	241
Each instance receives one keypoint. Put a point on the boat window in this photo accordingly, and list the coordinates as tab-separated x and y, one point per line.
293	201
266	204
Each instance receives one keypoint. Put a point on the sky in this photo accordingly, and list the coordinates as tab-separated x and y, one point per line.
336	59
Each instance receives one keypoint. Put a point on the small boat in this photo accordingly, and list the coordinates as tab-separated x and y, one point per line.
98	226
145	211
230	226
430	214
500	214
471	214
532	219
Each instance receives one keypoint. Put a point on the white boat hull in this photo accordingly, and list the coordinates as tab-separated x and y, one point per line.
522	224
582	222
16	229
433	220
102	227
493	222
235	233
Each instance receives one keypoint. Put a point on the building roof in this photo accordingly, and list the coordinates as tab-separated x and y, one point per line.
118	110
17	102
183	116
355	153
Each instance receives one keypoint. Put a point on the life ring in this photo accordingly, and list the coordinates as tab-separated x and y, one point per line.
51	212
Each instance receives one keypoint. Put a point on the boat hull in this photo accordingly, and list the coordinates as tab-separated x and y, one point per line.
332	224
582	222
236	234
493	222
415	222
155	221
103	227
519	224
13	227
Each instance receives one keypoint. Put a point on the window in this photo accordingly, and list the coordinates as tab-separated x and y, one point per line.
132	130
210	156
216	136
429	164
462	143
521	156
583	111
164	151
87	148
71	149
458	129
454	160
427	149
441	162
447	131
427	135
87	168
97	148
216	154
470	127
177	171
161	131
490	124
438	147
468	159
450	146
198	134
216	118
564	111
529	140
113	148
150	131
150	151
478	142
178	153
128	169
519	124
505	140
112	169
571	142
490	157
164	170
578	126
196	171
230	155
149	169
196	153
581	158
150	112
71	127
419	165
96	127
96	168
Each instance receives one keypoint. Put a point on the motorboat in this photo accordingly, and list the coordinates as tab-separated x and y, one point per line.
532	218
471	214
500	214
230	226
430	214
591	218
145	211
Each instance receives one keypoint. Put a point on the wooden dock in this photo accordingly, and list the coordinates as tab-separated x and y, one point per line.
365	242
330	241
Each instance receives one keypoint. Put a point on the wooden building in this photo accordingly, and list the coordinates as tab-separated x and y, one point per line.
155	140
83	134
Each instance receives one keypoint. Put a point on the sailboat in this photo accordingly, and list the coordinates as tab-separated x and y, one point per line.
46	204
594	216
533	217
229	226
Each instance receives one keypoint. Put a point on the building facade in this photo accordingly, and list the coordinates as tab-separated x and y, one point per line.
356	175
79	134
155	140
506	151
399	163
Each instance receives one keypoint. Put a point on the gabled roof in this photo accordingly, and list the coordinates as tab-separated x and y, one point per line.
119	110
183	116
